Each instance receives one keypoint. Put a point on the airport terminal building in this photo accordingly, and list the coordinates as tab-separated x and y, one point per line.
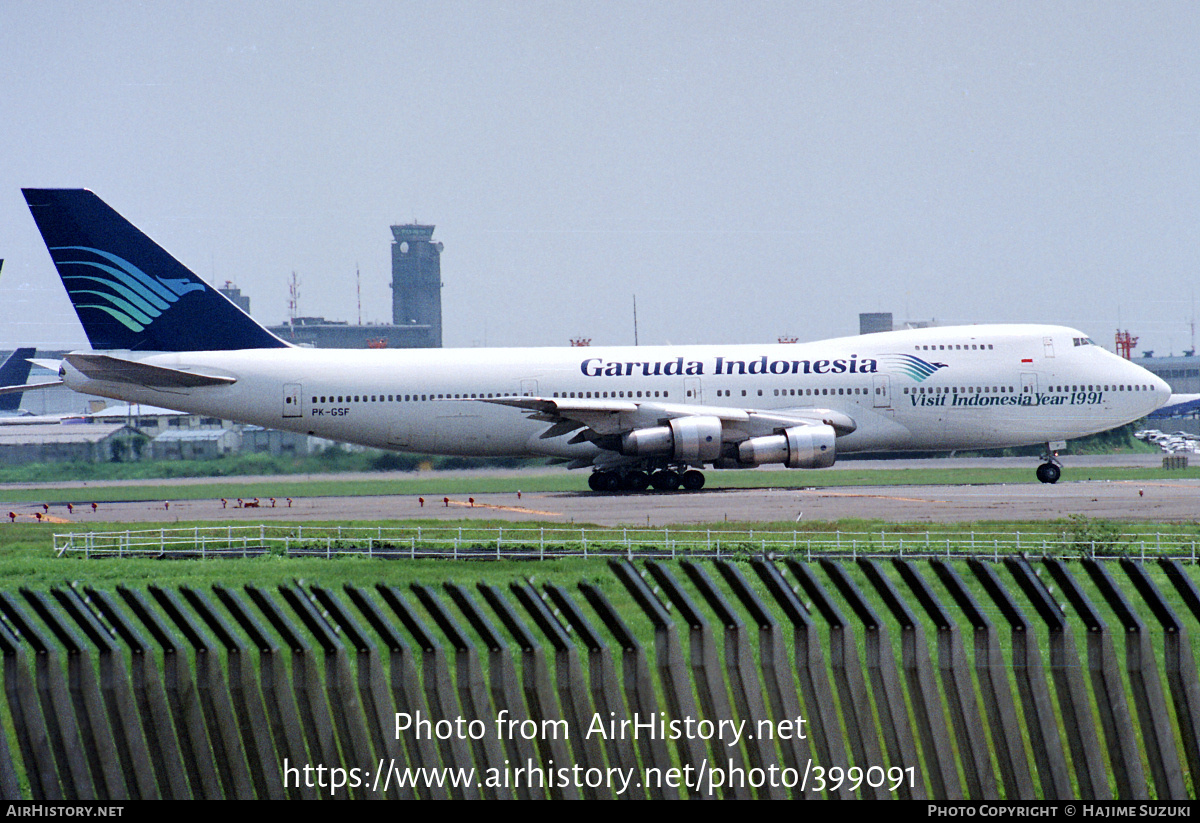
1181	373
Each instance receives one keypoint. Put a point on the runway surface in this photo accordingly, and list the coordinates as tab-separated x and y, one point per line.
1161	500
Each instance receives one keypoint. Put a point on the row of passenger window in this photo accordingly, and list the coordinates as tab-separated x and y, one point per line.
811	392
1098	387
719	393
1009	389
399	398
960	390
601	395
956	347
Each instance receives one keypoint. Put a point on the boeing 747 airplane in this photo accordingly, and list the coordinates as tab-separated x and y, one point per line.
637	416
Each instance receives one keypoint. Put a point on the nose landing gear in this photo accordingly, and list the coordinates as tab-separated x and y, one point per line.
1048	473
1051	469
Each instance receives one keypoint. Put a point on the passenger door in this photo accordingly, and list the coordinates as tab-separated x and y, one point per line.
1029	384
881	387
291	400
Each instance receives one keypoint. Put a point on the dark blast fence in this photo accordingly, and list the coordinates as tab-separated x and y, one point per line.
943	678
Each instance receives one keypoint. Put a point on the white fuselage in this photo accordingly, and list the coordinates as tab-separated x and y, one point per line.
923	389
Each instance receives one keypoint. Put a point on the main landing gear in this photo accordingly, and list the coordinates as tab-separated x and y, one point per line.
1048	473
1051	470
636	480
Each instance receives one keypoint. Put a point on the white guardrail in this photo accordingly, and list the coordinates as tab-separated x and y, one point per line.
553	542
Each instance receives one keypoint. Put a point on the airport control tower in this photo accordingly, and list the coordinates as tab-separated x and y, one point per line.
417	280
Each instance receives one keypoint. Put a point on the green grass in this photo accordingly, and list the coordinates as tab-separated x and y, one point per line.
561	482
27	557
330	460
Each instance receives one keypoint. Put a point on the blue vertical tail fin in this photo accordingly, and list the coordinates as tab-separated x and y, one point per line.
128	291
14	372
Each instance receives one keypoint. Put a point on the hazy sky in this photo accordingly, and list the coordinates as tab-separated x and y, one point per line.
745	169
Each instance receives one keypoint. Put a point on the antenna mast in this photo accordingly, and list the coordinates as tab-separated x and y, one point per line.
1191	322
293	299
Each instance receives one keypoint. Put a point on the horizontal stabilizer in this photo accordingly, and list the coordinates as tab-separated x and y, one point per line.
49	365
115	370
28	387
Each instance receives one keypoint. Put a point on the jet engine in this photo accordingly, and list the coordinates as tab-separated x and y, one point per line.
800	447
691	439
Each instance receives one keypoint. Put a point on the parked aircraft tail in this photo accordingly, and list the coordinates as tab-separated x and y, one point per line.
14	372
128	291
1177	406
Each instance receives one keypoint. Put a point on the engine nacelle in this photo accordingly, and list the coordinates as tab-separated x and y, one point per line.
691	439
800	447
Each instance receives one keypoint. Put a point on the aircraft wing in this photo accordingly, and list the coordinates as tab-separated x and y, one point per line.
601	419
115	370
596	416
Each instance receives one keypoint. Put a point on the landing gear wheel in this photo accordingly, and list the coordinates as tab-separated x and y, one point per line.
635	481
1048	473
665	480
604	481
693	480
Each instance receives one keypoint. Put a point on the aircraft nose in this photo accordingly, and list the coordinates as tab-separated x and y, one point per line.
1160	391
